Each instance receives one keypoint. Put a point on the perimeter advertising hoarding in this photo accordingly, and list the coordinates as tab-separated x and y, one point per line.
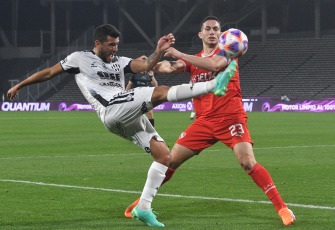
249	104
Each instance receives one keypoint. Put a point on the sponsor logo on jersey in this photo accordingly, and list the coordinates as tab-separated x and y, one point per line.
203	77
108	76
94	64
111	83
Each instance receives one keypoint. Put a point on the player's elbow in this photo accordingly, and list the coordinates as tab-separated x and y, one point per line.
214	67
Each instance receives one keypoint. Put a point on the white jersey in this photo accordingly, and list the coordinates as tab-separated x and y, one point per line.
102	80
102	84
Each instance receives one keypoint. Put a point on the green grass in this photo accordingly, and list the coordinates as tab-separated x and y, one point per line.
74	149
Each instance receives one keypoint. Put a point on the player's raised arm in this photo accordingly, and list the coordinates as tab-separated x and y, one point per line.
166	67
40	76
140	65
213	64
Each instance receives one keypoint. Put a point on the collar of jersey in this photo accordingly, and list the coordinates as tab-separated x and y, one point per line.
208	55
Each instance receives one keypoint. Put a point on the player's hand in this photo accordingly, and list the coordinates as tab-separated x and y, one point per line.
12	92
151	73
143	58
172	52
165	42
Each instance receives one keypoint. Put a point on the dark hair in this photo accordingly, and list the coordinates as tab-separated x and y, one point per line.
207	19
101	32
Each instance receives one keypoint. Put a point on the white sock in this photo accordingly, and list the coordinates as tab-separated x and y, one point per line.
188	91
156	175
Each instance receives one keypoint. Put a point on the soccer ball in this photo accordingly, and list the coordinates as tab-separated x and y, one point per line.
233	43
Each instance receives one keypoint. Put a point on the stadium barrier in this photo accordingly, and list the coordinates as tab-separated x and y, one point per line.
263	104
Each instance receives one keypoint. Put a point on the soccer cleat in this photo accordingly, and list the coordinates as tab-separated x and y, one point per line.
223	78
147	217
130	208
287	216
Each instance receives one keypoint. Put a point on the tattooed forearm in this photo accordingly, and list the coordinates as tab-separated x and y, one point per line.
151	57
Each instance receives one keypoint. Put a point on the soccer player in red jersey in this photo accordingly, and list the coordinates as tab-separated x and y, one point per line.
218	118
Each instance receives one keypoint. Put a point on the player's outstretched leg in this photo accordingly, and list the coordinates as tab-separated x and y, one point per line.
223	78
287	216
147	217
218	86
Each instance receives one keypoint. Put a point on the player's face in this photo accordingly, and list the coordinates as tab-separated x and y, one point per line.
210	33
108	48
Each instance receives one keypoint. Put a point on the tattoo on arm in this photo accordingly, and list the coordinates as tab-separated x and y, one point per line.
151	57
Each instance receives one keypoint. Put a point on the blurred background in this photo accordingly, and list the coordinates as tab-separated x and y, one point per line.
291	42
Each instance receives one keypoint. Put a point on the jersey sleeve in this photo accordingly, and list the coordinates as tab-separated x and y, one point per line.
187	66
70	64
222	55
125	64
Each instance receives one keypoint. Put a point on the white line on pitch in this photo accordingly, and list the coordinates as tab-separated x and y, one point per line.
90	155
129	154
167	195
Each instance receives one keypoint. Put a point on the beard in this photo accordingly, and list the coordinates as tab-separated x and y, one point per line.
104	56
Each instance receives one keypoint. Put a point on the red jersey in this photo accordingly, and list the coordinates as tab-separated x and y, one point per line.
210	105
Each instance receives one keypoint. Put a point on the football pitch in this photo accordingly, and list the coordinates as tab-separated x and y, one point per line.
64	170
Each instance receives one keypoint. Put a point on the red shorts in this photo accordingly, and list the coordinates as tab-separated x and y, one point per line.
204	132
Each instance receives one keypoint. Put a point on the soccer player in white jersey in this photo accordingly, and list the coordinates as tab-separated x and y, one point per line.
99	74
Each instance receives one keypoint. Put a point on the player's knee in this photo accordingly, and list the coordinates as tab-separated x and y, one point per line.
173	165
247	164
174	162
166	158
161	154
159	95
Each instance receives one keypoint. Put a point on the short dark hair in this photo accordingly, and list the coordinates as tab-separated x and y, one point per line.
207	19
101	32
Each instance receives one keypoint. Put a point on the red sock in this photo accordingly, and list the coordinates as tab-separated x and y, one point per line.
263	179
169	173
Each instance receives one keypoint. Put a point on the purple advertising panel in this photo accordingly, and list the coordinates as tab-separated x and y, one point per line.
263	104
45	106
274	105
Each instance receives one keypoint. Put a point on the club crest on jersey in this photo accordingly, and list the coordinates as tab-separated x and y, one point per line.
116	67
182	135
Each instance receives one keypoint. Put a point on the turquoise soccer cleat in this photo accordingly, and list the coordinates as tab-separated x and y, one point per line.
147	217
223	78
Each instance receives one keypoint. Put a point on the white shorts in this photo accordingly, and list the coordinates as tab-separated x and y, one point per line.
124	116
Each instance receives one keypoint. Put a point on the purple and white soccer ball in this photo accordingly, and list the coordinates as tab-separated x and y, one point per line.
233	43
